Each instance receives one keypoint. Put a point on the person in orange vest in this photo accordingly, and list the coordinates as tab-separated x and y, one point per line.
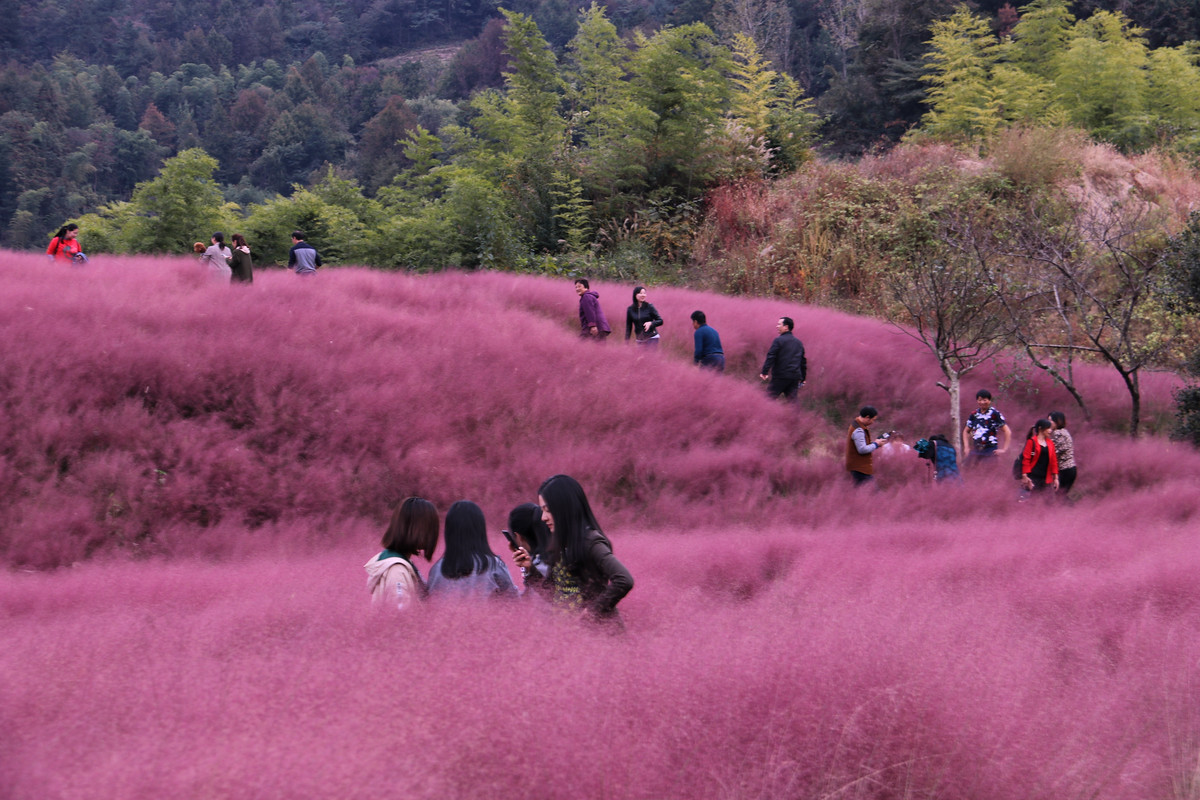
860	447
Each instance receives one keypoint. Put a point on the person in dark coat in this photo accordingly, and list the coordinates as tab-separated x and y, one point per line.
240	261
642	320
786	367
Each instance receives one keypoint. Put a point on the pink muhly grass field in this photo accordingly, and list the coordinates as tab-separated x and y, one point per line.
215	464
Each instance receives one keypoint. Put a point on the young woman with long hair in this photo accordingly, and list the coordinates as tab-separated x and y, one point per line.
642	319
240	261
1039	463
582	571
468	567
65	244
392	578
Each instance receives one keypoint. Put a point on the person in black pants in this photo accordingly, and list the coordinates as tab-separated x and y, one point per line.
786	367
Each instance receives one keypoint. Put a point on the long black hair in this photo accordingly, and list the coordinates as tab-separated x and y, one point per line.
526	520
1040	425
62	232
467	550
573	517
637	289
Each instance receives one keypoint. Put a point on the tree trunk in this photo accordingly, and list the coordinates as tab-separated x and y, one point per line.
955	409
1135	406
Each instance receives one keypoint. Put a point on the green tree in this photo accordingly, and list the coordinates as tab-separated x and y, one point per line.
166	214
1040	37
678	76
963	100
1102	79
1173	92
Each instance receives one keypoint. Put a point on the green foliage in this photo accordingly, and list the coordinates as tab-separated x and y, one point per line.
1187	415
1040	37
964	100
334	215
1180	284
1097	73
167	214
1101	79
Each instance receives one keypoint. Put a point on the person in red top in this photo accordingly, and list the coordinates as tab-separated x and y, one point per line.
65	246
1039	463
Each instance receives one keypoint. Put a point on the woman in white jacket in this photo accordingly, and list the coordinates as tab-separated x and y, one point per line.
392	578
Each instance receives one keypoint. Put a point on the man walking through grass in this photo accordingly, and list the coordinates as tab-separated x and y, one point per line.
786	367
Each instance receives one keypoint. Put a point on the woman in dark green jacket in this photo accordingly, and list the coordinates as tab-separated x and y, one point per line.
239	262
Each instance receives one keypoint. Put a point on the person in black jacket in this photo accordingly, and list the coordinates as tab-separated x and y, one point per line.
582	571
642	319
786	367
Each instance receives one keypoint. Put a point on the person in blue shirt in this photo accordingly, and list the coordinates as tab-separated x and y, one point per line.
303	258
709	354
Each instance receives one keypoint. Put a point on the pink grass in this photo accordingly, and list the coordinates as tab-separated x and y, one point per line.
217	464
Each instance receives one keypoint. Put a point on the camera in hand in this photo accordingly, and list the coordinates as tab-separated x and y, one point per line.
888	435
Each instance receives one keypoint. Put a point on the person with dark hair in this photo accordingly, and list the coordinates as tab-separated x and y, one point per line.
303	258
592	322
1039	462
216	259
392	579
582	571
940	454
240	261
468	568
526	525
786	366
981	435
64	246
642	319
708	353
859	450
1064	450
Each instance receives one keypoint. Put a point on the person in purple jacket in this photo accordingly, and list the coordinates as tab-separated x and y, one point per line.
592	322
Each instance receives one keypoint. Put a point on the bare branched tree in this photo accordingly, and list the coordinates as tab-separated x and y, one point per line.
1097	274
948	303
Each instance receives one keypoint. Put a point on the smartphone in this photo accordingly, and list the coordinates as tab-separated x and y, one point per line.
512	540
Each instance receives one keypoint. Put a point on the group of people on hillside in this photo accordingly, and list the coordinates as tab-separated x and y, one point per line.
235	265
784	370
562	553
1046	464
223	264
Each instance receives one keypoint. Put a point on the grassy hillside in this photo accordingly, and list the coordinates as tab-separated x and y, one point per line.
147	412
216	464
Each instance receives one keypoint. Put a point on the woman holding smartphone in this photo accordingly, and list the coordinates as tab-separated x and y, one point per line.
582	571
526	530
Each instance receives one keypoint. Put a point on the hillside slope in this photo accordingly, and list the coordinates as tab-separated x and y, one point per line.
147	412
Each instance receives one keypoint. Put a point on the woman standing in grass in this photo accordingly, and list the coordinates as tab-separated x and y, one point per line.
642	319
582	571
65	244
469	568
1064	449
240	262
1039	464
392	579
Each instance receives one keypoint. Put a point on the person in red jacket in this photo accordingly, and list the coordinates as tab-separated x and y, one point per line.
1039	463
65	244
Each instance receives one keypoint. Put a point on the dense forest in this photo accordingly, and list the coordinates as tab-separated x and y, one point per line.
555	129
